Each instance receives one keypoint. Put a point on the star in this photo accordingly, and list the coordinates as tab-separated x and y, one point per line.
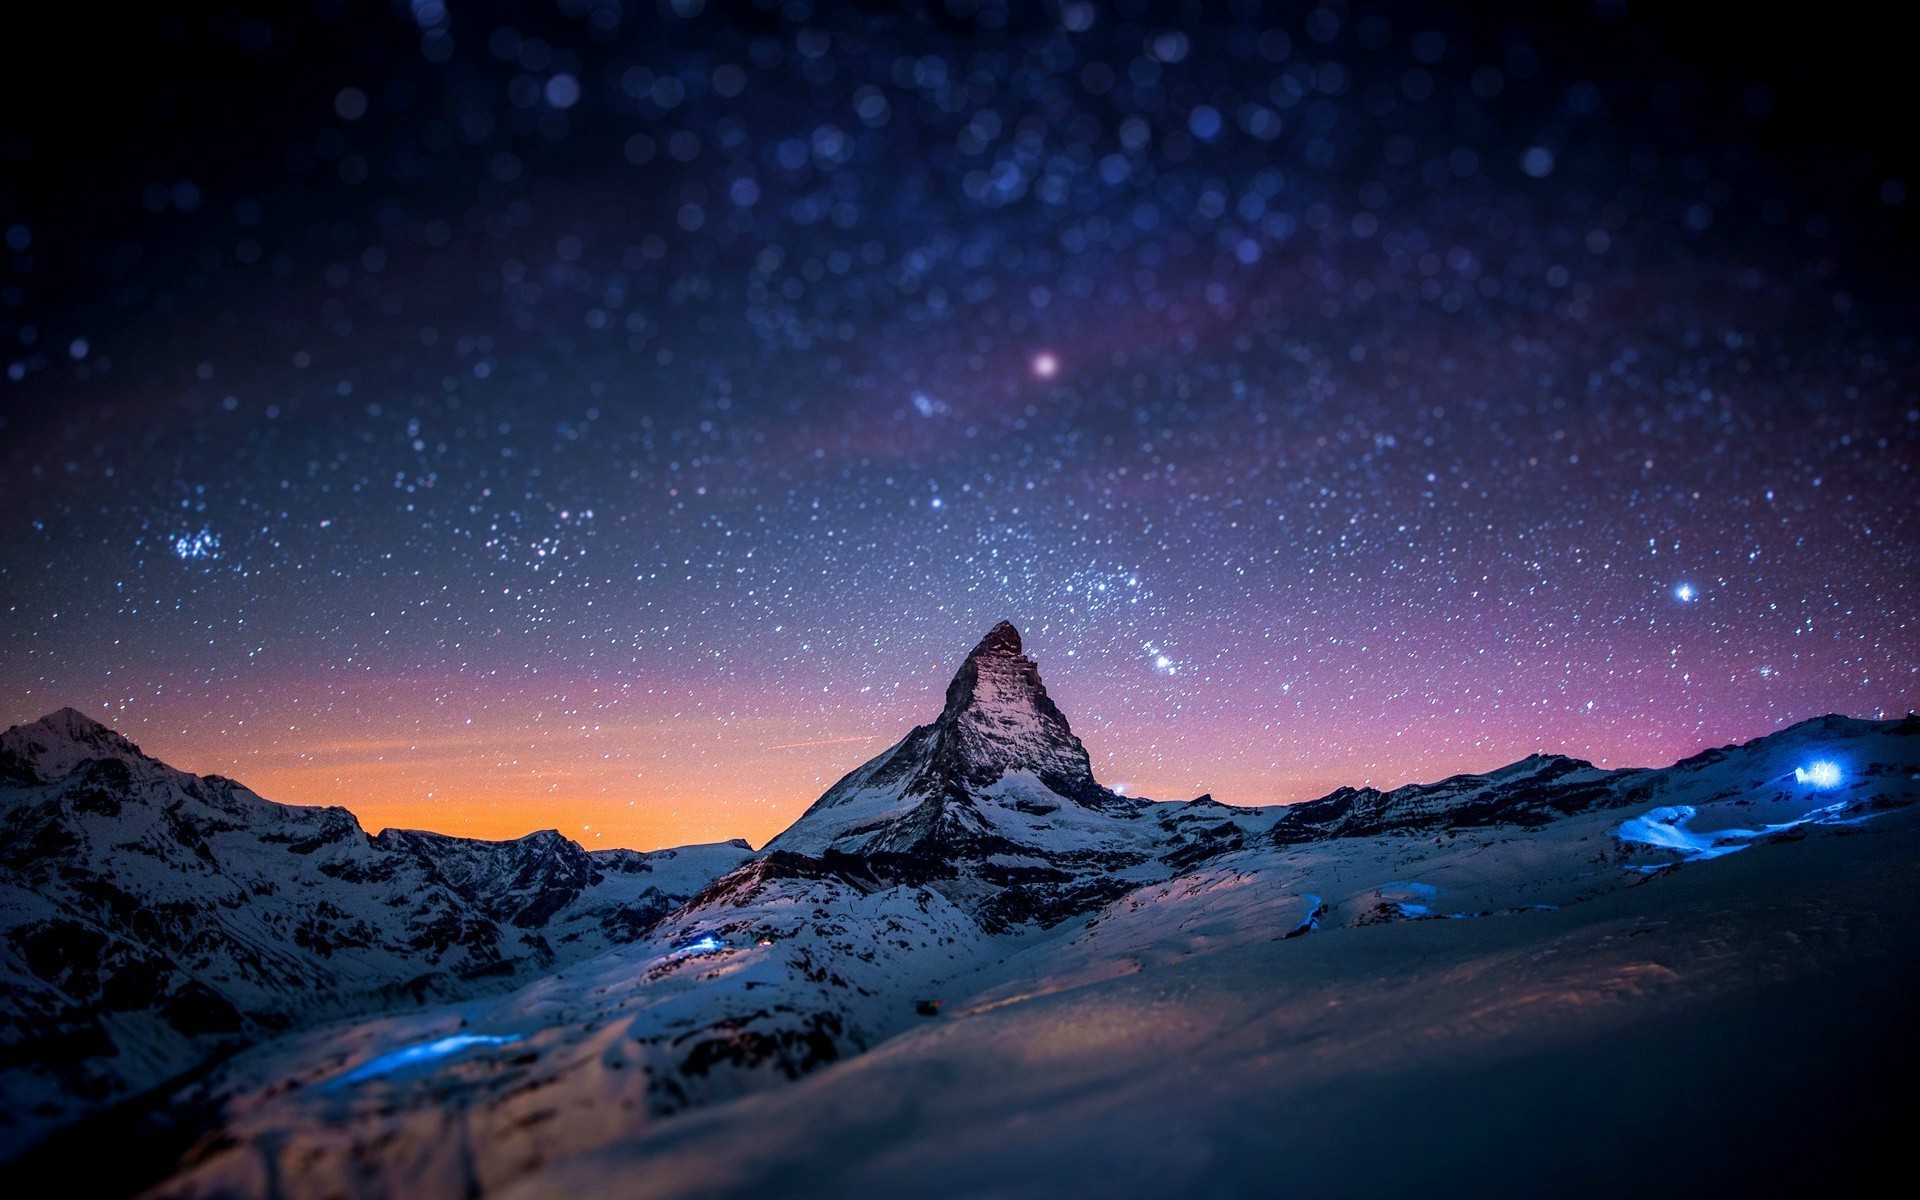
191	547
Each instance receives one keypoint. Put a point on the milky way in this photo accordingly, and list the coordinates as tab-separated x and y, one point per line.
622	420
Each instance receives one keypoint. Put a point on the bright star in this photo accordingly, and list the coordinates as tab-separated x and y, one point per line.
1046	365
1684	593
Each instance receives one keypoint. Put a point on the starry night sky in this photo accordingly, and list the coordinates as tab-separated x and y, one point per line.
621	418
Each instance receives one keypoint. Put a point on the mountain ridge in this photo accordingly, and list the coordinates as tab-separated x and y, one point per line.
29	744
152	920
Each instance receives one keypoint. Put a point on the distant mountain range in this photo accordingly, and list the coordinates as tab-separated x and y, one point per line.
150	918
175	943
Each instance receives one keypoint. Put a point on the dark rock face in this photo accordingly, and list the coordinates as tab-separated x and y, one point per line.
860	873
999	718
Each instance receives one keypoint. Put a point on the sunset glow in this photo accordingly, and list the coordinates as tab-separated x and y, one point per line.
706	765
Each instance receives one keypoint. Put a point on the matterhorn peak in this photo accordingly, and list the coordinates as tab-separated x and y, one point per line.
996	674
998	730
1002	640
998	717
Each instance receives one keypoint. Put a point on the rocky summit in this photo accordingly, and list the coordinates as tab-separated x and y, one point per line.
998	771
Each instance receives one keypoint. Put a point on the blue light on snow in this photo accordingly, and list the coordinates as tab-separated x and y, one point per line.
1822	774
425	1052
1668	829
1315	906
1393	892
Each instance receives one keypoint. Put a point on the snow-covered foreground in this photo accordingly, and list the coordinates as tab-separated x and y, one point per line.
971	970
1273	1011
1741	1027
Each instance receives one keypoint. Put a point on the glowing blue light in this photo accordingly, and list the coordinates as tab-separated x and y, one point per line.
1684	593
1667	828
1823	774
425	1052
706	944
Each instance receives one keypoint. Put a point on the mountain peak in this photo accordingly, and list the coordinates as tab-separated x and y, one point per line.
998	724
73	724
1002	641
997	707
63	739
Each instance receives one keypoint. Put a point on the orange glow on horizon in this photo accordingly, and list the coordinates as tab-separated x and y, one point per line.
618	766
674	783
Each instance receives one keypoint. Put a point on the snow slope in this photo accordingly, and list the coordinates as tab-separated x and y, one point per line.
777	970
1742	1027
715	1022
1255	982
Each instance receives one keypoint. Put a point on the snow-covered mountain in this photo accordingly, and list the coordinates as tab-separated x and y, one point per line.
998	772
150	918
997	797
548	1017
